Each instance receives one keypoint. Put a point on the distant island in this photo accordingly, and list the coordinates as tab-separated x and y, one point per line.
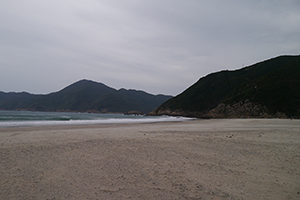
84	96
268	89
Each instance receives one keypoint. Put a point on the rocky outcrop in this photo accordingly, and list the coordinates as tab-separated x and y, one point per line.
166	112
177	112
243	109
134	113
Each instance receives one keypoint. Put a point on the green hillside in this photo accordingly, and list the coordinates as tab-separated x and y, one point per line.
278	90
271	86
84	96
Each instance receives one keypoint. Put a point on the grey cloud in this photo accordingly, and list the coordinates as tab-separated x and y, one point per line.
156	46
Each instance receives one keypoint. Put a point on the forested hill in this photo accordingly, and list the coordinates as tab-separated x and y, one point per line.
267	89
84	96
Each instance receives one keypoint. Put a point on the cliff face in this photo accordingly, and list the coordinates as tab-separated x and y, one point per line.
264	90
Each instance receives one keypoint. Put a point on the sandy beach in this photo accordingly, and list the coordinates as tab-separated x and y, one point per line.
201	159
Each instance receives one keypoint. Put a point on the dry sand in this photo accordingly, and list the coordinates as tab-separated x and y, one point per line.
202	159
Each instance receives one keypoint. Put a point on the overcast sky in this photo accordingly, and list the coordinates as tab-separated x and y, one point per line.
159	46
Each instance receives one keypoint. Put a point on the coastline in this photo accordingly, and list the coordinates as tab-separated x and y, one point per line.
35	119
208	159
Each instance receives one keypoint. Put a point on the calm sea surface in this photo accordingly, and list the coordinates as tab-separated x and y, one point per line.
29	118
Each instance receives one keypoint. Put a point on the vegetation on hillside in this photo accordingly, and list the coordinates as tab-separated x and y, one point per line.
273	84
84	96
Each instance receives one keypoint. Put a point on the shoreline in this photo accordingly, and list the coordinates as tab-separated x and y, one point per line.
57	119
186	119
82	126
208	159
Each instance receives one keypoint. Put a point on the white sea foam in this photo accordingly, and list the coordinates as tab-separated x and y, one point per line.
93	121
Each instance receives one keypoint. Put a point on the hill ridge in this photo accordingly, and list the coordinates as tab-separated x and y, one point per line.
227	94
83	96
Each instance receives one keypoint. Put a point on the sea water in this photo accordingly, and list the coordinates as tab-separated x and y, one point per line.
31	118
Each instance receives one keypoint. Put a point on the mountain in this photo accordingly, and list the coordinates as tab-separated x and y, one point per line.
267	89
84	96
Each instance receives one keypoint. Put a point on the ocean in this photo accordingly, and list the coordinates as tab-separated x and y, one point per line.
32	118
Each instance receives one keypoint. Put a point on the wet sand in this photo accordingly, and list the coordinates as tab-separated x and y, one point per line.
202	159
